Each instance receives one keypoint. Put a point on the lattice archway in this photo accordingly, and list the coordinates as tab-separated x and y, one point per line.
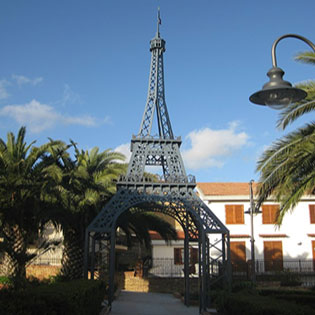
196	219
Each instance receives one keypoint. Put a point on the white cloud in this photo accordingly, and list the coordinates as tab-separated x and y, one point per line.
124	149
39	117
21	79
107	120
69	96
209	147
88	121
3	91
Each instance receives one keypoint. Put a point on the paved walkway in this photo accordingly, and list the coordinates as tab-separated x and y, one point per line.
139	303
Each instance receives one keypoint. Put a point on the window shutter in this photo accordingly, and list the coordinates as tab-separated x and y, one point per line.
270	214
178	256
265	214
229	218
274	213
239	214
238	251
234	214
273	256
312	213
238	256
193	255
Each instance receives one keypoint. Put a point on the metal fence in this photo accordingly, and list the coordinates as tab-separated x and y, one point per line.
47	261
274	266
164	267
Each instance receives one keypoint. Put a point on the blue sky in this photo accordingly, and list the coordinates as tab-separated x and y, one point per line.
79	70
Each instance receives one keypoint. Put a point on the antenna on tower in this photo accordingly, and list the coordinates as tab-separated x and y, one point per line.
159	22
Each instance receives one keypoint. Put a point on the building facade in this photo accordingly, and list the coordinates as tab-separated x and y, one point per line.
290	246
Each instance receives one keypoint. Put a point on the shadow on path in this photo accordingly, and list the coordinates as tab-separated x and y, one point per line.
139	303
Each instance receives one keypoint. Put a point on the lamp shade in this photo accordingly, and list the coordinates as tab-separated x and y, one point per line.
277	93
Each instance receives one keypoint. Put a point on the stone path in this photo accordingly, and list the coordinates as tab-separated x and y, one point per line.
139	303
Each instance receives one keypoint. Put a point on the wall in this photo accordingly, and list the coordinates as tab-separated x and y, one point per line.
296	243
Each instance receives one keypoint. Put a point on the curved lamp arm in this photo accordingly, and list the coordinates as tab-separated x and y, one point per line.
278	93
275	43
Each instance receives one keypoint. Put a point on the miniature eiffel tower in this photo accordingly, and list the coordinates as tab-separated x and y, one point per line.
172	194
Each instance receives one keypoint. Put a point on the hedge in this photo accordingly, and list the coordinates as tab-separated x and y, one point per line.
297	296
78	297
247	304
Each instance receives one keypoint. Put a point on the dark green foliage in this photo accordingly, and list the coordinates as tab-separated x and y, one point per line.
247	304
78	297
289	279
4	280
298	296
242	286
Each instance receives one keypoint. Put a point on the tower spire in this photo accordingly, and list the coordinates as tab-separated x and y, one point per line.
159	22
156	95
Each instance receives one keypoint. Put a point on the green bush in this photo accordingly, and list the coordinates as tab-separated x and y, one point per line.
298	296
4	280
74	297
243	286
246	304
289	279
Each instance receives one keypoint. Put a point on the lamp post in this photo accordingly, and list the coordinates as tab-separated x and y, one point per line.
252	210
278	93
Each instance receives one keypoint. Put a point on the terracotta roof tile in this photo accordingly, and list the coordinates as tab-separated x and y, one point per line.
225	189
156	236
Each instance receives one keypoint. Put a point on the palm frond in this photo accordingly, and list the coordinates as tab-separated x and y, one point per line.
287	169
306	57
296	110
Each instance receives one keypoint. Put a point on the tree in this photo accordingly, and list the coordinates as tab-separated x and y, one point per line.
141	223
287	168
25	172
86	185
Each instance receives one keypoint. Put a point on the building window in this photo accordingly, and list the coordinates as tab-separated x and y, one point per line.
270	214
273	256
238	256
234	214
312	213
313	251
179	256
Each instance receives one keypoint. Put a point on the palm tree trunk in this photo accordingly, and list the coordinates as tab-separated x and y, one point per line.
15	252
72	257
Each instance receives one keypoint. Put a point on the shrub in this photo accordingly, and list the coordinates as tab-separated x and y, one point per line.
4	280
289	279
246	304
75	297
298	296
243	286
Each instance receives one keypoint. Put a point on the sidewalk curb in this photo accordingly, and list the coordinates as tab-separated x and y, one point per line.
106	309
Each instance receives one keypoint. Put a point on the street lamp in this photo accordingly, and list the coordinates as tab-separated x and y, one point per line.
252	210
278	93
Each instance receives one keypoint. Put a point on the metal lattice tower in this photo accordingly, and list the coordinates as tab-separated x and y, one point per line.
173	194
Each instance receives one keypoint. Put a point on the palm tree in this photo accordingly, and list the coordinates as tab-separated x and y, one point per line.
24	176
141	223
86	185
287	168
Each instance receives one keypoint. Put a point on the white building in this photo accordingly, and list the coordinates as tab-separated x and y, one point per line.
288	247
